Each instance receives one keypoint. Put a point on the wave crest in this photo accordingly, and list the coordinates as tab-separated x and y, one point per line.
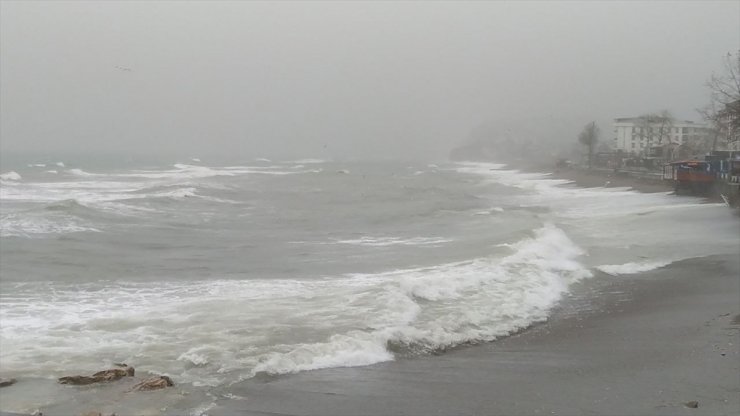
10	176
632	267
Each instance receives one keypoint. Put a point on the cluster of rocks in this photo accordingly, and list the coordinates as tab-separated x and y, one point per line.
5	382
104	376
113	374
156	382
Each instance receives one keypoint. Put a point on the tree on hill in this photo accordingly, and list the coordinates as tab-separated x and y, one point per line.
588	137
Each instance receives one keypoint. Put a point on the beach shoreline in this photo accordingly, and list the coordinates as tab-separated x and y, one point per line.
615	345
592	178
637	344
644	344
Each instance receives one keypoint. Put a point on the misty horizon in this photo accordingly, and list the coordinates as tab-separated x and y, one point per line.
341	80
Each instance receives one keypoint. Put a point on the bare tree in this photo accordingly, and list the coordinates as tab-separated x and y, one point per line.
588	137
723	110
695	148
665	123
643	126
655	127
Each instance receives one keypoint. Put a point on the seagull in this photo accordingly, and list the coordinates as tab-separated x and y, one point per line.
123	68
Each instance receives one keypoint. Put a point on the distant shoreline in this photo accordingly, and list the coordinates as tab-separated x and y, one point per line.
596	178
591	178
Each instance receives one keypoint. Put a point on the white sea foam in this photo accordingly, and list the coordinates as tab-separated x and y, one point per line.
468	301
180	172
356	348
289	172
79	172
14	225
610	220
60	164
539	183
175	193
307	161
219	331
203	409
394	241
126	194
633	267
85	192
10	176
269	170
210	332
194	357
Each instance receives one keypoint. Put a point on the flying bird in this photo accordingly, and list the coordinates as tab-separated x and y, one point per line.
123	68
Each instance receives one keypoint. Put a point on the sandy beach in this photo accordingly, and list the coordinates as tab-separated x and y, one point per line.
589	179
644	344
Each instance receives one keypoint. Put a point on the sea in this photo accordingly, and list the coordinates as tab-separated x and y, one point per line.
213	274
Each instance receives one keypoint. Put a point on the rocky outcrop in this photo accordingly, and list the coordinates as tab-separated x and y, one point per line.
104	376
5	382
153	383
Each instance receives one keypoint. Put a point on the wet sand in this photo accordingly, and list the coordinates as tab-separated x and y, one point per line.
591	179
644	344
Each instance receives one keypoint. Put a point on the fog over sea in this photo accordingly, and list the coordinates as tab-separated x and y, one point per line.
216	274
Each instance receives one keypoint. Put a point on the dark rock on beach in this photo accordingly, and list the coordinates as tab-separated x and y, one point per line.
153	383
104	376
692	404
5	382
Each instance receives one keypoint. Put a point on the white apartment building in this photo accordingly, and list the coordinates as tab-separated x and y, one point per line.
636	135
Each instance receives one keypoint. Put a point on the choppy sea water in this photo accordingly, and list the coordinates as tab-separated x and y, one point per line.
216	274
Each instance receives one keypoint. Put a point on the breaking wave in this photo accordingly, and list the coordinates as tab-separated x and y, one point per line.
633	267
237	329
80	172
10	176
448	305
11	225
395	241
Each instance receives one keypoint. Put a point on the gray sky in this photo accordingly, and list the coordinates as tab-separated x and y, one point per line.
340	79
